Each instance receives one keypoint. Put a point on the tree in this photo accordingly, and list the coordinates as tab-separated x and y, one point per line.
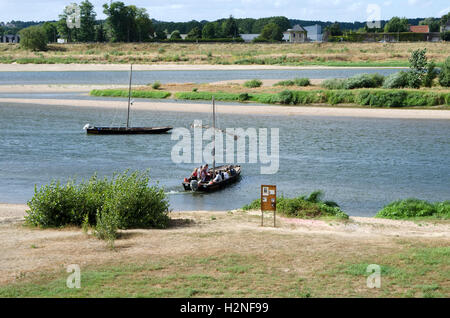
86	33
195	33
433	23
209	31
175	35
100	35
33	38
63	29
119	21
444	76
396	25
271	32
50	29
334	29
445	18
160	35
144	25
418	64
230	28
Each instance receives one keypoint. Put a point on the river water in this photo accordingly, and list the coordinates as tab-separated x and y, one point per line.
146	77
360	163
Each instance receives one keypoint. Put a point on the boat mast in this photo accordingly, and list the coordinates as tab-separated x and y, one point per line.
129	96
214	137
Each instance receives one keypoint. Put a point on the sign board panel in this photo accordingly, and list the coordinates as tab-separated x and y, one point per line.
268	198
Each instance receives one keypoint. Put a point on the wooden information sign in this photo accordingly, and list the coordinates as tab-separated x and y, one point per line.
268	201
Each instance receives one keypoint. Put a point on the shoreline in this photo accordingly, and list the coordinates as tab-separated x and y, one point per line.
250	109
168	67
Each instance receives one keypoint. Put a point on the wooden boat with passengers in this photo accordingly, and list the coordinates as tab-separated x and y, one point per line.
229	173
233	171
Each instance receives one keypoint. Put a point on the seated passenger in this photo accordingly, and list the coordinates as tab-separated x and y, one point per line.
218	178
194	175
226	175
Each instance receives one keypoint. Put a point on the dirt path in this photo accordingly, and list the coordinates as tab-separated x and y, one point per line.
25	251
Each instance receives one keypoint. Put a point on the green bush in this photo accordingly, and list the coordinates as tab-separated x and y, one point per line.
334	97
311	206
411	208
444	76
126	196
334	83
124	93
286	97
430	75
396	80
107	226
243	97
302	81
382	98
364	81
253	83
33	38
156	85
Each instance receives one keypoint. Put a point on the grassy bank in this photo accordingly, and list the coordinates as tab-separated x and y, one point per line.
293	264
360	97
325	54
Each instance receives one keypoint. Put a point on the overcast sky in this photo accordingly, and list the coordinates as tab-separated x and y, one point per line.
176	10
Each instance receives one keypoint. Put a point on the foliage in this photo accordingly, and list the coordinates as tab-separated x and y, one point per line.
311	206
294	82
396	24
430	75
156	85
445	36
364	81
50	29
106	227
253	83
33	38
124	201
175	35
444	76
271	32
86	33
418	68
334	83
230	28
124	93
396	80
195	33
411	208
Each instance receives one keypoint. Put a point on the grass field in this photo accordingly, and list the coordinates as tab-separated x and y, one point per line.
328	54
206	254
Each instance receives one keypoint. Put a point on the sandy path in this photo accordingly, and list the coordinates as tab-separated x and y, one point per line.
27	251
158	67
247	109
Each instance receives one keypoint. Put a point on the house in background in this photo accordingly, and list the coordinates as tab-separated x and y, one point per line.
419	29
314	33
297	34
8	38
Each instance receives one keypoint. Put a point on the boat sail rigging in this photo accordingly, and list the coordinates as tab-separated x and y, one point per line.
127	130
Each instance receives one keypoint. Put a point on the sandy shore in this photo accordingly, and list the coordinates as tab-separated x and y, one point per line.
250	109
158	67
27	251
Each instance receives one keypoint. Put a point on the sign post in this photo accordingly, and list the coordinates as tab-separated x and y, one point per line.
268	201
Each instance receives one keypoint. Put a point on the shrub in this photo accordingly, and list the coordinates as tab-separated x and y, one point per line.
286	97
444	76
396	80
382	98
430	75
33	38
243	97
364	81
127	197
334	97
156	85
124	93
285	83
302	81
334	83
106	228
253	83
411	208
54	205
311	206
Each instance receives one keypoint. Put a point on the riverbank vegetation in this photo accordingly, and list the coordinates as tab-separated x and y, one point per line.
305	54
305	206
415	208
125	201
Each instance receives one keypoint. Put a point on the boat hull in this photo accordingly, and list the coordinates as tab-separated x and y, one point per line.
127	131
207	187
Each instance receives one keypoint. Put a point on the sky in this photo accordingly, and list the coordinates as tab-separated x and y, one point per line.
181	11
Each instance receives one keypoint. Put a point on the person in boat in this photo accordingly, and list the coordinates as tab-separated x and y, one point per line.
226	175
204	174
194	175
218	178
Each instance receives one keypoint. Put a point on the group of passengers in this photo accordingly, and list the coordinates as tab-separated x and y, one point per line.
203	175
